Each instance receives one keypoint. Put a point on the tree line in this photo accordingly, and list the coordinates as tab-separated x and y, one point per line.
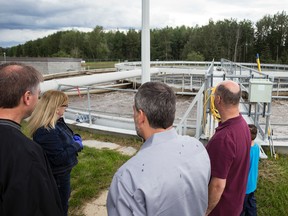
238	41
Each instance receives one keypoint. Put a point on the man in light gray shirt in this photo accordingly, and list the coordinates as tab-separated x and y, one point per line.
169	175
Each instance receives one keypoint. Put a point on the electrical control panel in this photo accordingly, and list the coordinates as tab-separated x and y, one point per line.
260	90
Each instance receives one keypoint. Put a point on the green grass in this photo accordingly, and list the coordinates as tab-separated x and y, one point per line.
92	175
98	65
97	167
272	192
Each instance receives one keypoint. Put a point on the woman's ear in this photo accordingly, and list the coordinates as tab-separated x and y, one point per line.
57	111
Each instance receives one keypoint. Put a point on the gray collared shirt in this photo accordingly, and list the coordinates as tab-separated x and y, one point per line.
168	176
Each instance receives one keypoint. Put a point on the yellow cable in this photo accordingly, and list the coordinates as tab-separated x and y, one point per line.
213	109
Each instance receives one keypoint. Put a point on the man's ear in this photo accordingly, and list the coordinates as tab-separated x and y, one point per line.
217	99
27	98
141	116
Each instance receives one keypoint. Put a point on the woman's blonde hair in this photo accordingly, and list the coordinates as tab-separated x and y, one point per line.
45	113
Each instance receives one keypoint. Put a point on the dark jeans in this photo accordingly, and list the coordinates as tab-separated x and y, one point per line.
249	207
63	184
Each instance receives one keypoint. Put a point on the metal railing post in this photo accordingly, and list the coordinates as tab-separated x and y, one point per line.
89	105
199	117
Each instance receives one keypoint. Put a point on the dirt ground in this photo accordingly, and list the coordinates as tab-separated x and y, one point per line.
279	115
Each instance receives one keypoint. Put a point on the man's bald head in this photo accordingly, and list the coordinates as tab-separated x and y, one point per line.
229	91
232	86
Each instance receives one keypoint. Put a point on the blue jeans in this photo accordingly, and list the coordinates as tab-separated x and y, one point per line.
249	206
63	184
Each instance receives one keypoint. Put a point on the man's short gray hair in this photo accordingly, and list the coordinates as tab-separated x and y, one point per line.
158	101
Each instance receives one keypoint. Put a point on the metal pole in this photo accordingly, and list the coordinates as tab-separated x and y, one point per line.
267	125
89	106
183	83
145	42
199	117
191	82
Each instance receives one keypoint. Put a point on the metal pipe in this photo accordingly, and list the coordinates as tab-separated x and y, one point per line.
68	83
145	42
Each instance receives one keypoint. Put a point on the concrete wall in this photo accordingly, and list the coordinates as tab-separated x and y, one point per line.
49	65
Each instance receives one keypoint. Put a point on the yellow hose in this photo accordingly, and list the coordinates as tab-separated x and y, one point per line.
213	109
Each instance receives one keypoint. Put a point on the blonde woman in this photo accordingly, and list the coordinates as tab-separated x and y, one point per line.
47	127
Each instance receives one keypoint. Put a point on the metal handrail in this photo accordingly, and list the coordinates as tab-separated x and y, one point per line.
182	124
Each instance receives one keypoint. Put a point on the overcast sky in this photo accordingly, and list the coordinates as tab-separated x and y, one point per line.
24	20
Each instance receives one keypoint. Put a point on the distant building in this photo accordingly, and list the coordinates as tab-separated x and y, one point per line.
48	65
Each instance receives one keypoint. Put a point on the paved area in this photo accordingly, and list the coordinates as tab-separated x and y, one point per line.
97	207
102	145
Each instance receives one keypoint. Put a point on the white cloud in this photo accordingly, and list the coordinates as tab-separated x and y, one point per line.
13	37
23	35
24	20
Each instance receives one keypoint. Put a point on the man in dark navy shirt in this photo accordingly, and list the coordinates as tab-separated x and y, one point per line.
27	186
